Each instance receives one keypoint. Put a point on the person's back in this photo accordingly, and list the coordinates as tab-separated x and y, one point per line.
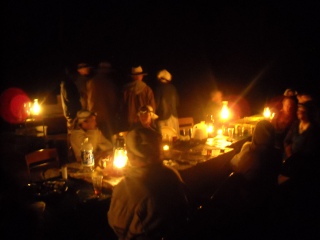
84	74
70	100
150	202
167	101
259	161
135	94
102	97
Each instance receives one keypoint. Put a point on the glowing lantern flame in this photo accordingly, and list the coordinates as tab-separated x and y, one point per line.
267	113
225	113
120	158
36	107
166	147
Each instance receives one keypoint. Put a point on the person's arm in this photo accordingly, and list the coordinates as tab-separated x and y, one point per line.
76	139
102	147
288	141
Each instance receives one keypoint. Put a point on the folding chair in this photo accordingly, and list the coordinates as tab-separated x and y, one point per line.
39	161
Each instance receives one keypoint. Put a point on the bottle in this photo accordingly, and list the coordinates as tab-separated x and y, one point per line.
210	126
120	142
87	157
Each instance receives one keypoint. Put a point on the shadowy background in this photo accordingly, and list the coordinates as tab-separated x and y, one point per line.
255	50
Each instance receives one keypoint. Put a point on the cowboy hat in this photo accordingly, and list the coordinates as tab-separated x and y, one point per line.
147	109
137	71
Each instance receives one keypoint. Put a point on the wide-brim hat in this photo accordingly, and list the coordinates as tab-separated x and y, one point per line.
83	115
149	109
83	65
137	71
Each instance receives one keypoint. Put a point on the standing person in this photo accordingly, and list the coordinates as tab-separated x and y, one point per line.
70	99
167	100
150	202
102	97
214	106
135	94
84	74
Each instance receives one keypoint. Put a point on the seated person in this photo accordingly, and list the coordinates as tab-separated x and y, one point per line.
259	161
147	118
283	120
85	126
302	145
150	202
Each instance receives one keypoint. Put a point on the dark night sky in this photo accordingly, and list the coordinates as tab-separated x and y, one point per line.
203	44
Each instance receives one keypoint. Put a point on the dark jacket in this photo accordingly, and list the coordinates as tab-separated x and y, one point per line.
167	100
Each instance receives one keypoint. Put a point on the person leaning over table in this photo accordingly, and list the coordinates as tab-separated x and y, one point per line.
147	118
150	202
85	126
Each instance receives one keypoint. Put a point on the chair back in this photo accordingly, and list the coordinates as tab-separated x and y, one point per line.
186	123
41	160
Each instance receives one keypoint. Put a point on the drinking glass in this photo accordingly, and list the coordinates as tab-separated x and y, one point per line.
97	183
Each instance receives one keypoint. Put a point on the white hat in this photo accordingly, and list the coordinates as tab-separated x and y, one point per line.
164	76
147	108
83	115
137	71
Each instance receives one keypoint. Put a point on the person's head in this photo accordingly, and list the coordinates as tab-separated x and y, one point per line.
84	69
137	73
263	134
304	97
289	105
143	147
164	76
289	92
86	120
307	112
216	96
146	115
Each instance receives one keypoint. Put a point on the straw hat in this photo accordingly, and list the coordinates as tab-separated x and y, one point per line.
149	109
137	71
83	115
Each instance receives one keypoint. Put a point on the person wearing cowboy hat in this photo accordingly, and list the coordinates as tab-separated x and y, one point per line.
167	100
135	94
147	118
85	126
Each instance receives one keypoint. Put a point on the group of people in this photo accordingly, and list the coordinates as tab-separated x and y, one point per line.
281	164
94	91
151	201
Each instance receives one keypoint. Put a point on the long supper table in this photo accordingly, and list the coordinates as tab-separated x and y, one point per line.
203	173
